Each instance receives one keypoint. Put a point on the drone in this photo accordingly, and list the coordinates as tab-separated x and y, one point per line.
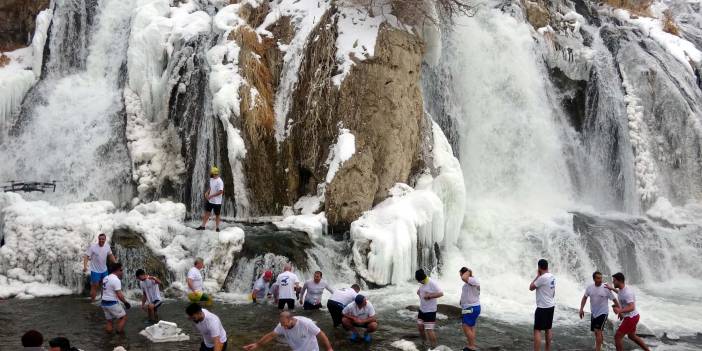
27	187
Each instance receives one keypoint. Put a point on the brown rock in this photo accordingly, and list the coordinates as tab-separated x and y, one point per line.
17	22
537	14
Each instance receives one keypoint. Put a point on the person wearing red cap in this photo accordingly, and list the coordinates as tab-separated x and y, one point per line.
261	287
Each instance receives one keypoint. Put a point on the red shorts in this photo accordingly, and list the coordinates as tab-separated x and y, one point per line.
628	325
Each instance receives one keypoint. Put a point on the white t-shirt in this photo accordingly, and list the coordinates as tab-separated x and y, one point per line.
470	293
626	298
195	275
315	291
343	296
599	299
210	327
363	313
110	286
98	257
302	336
286	285
545	291
216	185
261	287
425	289
150	290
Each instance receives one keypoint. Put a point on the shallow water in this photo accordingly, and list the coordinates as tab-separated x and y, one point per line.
82	322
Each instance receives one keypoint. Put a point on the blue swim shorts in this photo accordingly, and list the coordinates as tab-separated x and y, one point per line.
469	315
96	277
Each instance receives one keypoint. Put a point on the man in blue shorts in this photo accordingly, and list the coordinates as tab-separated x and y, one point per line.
98	254
470	306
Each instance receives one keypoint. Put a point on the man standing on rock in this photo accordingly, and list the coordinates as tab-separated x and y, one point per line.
196	286
300	333
288	285
428	293
627	313
213	199
545	286
97	254
599	307
339	300
111	296
312	292
214	337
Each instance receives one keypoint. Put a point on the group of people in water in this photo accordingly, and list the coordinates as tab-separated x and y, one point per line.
348	308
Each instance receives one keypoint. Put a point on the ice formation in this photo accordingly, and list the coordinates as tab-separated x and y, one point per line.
340	152
315	225
164	331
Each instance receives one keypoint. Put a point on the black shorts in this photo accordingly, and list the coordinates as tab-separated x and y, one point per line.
543	318
217	208
309	306
364	325
598	323
289	302
335	309
203	347
427	317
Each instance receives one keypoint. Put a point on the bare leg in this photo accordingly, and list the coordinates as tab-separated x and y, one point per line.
537	340
108	327
218	219
120	324
599	338
619	341
549	337
205	218
470	335
372	327
432	337
93	291
420	327
348	325
635	338
152	313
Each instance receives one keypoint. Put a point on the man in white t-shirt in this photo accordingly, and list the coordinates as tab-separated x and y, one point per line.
599	307
341	298
428	293
213	199
214	337
196	288
150	294
111	296
627	313
288	286
300	333
312	292
261	287
98	256
545	286
359	314
470	306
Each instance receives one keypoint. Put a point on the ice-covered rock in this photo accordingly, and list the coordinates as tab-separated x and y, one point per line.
164	332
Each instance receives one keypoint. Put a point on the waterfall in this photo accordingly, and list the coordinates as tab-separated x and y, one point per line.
72	128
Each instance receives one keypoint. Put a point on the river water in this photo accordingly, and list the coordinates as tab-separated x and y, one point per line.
75	318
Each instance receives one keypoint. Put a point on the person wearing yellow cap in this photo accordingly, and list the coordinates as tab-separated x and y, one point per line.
213	199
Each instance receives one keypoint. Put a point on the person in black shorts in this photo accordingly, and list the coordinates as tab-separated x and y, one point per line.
599	297
545	286
213	199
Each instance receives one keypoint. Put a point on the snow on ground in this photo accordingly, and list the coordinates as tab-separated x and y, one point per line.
683	50
315	225
21	72
358	32
44	243
304	16
344	148
309	204
404	345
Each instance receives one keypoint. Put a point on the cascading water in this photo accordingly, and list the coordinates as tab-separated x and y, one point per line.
71	128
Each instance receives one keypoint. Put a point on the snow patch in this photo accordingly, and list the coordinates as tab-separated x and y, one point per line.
358	32
344	148
315	225
164	332
404	345
308	204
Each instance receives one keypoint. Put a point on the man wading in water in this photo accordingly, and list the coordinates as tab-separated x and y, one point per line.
213	197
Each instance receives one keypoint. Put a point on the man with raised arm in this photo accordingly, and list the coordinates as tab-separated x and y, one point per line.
599	307
627	313
312	292
214	337
300	333
98	255
545	286
470	306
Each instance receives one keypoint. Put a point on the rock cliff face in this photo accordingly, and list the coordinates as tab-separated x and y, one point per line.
17	22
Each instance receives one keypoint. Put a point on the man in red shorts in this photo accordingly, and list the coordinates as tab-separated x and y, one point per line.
627	313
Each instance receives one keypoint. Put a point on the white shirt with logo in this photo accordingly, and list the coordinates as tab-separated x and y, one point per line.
216	185
599	299
286	285
545	291
314	291
343	296
110	286
430	287
365	312
211	327
150	290
195	275
626	298
98	257
470	293
302	336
